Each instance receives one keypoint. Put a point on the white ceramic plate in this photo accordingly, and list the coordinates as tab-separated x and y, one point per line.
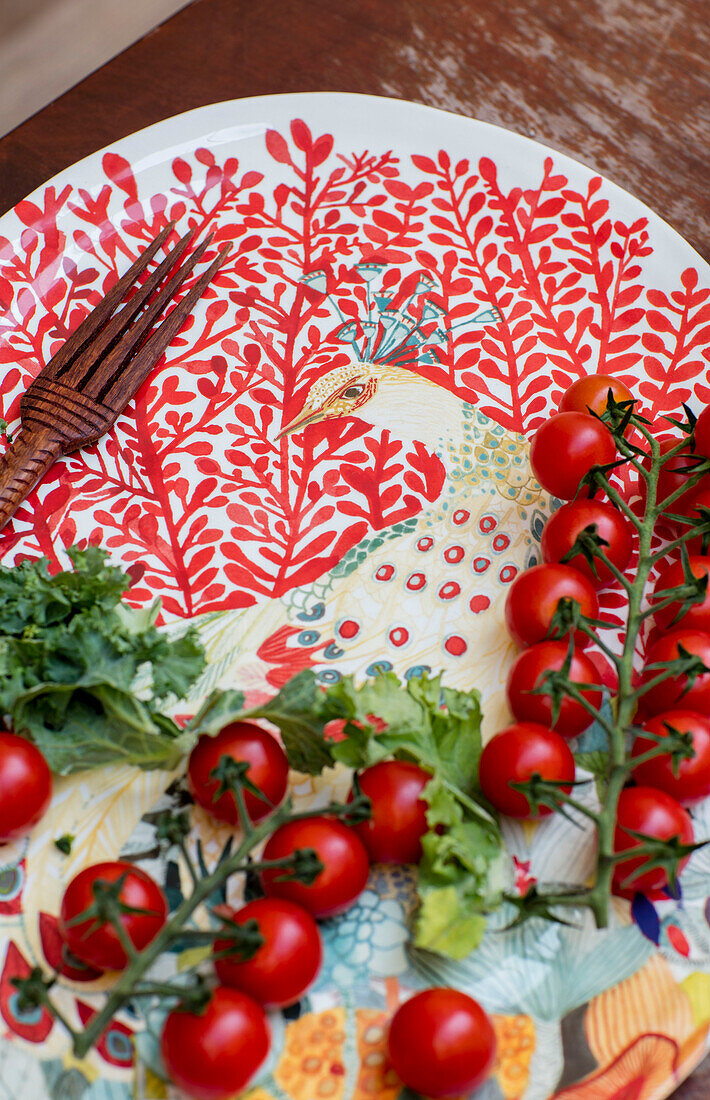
425	286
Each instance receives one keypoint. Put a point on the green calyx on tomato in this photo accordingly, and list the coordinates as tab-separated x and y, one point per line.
343	873
657	833
546	601
244	756
682	767
590	394
516	755
592	536
688	581
100	899
538	687
677	672
287	959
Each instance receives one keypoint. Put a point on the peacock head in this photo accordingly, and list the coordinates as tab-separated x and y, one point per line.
372	391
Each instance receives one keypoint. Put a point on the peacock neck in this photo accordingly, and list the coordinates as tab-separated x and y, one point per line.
428	414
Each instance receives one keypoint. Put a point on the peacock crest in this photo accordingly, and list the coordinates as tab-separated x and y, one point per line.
404	334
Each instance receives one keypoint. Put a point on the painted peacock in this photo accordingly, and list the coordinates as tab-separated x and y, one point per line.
427	593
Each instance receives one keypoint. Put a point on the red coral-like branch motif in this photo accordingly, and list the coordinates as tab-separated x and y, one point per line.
192	490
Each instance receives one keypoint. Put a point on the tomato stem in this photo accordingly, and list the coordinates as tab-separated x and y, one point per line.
593	635
189	863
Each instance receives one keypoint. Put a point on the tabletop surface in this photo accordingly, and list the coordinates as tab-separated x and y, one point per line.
621	85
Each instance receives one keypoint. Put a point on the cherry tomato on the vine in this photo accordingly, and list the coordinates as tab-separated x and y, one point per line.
394	832
268	770
526	673
441	1043
97	943
213	1055
564	449
687	780
697	616
591	393
340	850
533	598
653	813
562	528
281	970
675	692
25	786
513	756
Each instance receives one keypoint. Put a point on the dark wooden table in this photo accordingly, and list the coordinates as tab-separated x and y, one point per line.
622	85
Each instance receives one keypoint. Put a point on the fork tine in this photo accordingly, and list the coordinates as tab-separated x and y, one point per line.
95	320
129	380
95	376
77	368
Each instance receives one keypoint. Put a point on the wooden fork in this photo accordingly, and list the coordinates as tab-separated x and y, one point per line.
78	395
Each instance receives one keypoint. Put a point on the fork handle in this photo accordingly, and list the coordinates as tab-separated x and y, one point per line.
21	467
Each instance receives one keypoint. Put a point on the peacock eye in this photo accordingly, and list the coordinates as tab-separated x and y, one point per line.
353	391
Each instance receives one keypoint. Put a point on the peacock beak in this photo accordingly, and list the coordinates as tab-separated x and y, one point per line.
304	418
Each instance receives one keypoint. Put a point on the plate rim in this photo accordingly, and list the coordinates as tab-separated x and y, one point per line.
333	97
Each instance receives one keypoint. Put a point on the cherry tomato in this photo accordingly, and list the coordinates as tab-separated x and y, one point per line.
213	1055
394	832
689	780
533	598
591	393
528	670
268	770
674	475
653	813
99	945
25	786
286	963
564	449
564	525
513	756
671	693
441	1043
697	617
702	433
340	850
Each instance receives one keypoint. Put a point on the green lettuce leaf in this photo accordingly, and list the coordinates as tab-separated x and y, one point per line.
462	874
